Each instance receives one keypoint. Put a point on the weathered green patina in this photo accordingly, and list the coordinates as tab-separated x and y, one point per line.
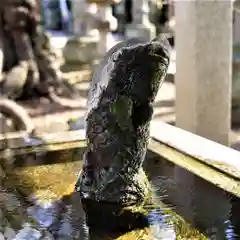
119	113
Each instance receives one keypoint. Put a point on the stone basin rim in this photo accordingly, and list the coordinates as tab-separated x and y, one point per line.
21	143
195	167
216	155
213	154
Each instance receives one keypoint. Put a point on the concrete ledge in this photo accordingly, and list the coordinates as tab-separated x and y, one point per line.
198	168
208	152
20	144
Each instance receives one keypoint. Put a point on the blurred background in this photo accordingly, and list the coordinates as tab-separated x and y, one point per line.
203	78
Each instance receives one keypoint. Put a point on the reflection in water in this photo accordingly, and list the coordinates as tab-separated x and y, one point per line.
161	227
230	230
205	206
55	210
65	219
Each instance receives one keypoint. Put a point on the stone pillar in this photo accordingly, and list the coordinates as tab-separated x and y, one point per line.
140	26
82	11
104	22
203	67
203	40
82	47
104	27
105	14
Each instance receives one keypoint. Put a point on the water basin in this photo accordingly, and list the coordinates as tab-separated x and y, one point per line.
39	194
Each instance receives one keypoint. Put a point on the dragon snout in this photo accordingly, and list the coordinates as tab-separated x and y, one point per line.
160	46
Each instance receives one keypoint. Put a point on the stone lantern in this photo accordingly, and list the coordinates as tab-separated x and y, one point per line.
84	47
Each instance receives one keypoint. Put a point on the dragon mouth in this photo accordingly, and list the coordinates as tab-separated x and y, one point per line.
161	59
161	49
161	54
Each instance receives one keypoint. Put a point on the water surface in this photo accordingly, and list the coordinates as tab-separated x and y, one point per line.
45	190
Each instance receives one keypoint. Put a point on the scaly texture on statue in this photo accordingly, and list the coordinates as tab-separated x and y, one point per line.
117	123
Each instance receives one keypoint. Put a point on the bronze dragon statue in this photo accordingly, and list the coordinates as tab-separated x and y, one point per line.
120	107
